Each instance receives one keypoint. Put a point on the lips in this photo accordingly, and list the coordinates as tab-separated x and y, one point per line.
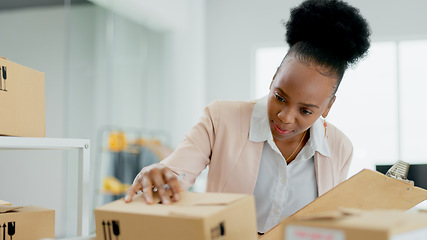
280	130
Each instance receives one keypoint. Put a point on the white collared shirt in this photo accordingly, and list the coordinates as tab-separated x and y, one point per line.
283	189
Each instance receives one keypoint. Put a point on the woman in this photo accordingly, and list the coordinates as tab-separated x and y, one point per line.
277	148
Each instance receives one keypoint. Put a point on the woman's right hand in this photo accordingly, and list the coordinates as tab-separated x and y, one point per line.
155	176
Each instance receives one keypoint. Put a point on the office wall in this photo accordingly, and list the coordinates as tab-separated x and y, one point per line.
183	93
235	28
102	69
31	38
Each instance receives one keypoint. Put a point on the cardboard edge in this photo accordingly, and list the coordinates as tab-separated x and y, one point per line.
291	218
2	202
6	59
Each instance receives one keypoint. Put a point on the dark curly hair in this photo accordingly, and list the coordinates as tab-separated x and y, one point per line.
329	33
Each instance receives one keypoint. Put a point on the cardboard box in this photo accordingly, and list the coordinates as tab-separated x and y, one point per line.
26	223
197	216
366	225
366	190
22	101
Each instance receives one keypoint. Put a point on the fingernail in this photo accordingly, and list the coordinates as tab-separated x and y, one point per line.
176	196
166	200
126	198
148	199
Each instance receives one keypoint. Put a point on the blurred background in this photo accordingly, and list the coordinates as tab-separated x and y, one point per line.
134	76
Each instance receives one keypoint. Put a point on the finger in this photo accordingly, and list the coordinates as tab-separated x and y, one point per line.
159	183
133	189
171	179
147	189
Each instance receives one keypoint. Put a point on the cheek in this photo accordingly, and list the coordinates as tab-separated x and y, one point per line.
273	109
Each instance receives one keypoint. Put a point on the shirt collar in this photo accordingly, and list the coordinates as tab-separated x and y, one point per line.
259	126
317	139
260	129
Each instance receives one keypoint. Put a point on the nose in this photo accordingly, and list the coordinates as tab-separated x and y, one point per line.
286	115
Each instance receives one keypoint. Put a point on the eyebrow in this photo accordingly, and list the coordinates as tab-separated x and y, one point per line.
304	104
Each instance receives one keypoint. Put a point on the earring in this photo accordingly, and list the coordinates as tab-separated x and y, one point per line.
326	126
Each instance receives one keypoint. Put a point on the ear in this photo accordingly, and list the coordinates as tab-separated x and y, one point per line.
274	77
326	112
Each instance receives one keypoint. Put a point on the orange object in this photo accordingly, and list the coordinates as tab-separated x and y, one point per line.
117	141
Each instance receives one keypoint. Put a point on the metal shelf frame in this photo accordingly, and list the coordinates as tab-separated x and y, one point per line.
83	147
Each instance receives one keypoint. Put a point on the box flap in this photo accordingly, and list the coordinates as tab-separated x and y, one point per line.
22	209
191	204
206	199
5	203
5	209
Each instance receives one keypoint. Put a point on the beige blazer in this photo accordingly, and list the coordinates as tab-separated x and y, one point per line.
221	141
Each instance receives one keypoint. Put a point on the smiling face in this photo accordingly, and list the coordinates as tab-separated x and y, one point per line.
299	95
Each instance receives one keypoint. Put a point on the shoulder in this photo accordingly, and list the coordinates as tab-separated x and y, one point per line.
225	105
230	117
337	140
231	110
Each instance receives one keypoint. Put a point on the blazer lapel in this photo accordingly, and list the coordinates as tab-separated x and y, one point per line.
244	173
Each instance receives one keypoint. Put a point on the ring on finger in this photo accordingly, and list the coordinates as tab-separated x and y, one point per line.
163	186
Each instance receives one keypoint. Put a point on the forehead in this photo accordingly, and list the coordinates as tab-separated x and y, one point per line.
304	82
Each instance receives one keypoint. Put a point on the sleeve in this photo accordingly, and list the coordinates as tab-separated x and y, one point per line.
341	153
345	154
344	170
193	154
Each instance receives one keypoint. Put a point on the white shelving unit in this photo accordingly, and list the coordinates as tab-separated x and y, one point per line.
83	147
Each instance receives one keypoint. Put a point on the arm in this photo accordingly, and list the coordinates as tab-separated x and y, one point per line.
188	160
193	154
344	170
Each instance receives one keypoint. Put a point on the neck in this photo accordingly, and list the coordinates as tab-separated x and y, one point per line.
291	141
290	149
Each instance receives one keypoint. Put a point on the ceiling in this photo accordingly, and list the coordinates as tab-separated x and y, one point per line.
20	4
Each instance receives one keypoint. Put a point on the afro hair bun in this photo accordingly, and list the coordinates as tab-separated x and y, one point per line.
333	26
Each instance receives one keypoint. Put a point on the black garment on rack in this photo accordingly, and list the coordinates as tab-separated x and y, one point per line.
127	164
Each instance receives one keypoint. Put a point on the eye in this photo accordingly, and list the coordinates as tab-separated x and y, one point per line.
306	112
280	98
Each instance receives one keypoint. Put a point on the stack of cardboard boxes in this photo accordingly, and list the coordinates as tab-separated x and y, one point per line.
22	100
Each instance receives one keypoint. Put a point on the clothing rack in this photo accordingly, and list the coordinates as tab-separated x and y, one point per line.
123	152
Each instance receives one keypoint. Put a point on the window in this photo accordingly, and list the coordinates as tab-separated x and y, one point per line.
267	61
